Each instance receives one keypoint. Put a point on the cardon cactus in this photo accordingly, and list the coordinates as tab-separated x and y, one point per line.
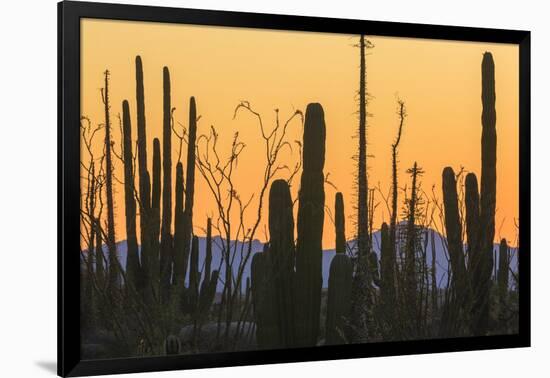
155	213
340	223
166	236
172	345
178	276
453	228
190	181
487	194
451	317
339	298
194	274
281	260
310	228
263	303
149	268
132	261
471	198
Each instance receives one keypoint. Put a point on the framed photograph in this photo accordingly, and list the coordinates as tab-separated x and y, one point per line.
239	188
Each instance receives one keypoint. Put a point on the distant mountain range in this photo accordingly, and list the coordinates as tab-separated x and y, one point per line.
257	246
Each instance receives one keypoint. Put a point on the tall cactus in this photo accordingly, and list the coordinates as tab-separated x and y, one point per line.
178	253
340	223
194	274
190	180
453	227
166	236
263	303
471	198
281	260
155	213
310	228
147	260
111	238
487	193
339	298
132	261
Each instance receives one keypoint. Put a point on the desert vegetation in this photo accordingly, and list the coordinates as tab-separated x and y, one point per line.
176	292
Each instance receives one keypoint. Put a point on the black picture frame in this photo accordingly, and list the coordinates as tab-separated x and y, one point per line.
69	15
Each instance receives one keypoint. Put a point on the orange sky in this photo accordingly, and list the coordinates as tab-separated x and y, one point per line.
440	81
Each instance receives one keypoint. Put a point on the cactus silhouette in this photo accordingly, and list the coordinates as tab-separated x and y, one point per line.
487	196
340	223
339	298
178	276
154	214
147	259
471	198
453	227
267	335
194	275
281	260
190	180
132	261
165	236
311	199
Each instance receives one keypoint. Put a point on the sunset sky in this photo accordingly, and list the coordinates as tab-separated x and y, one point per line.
440	82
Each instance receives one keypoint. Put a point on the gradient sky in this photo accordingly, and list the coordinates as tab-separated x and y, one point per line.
440	82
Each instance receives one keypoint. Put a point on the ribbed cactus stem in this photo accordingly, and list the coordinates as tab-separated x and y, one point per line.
194	275
471	198
132	261
487	192
339	298
267	334
147	260
178	275
166	236
451	321
190	178
154	221
310	228
340	223
453	228
281	264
